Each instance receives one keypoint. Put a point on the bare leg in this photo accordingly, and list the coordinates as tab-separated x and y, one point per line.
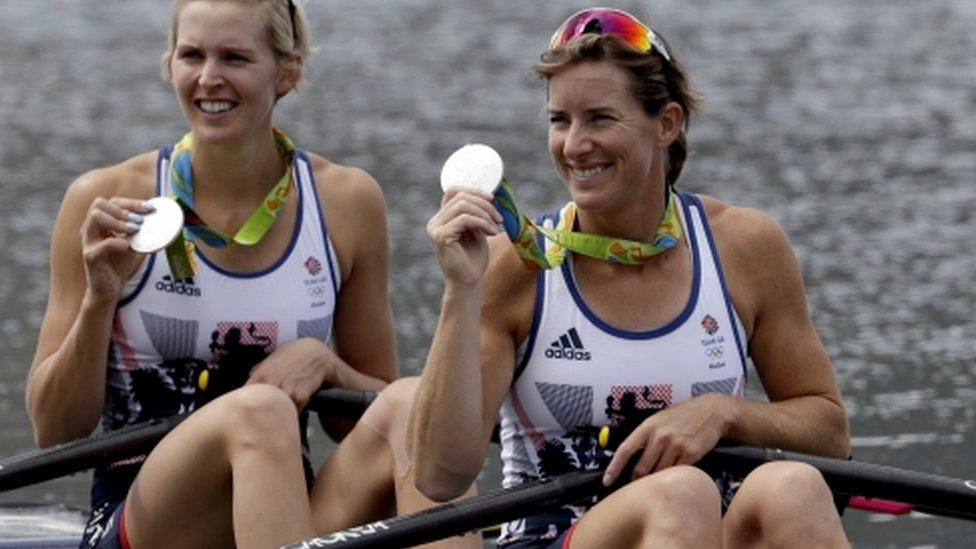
677	507
783	504
247	439
355	484
369	476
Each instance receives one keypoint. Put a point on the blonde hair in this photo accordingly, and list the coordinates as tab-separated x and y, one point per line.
287	33
655	81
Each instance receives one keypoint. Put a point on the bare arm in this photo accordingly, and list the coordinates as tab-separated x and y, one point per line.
66	383
471	360
365	347
804	412
364	334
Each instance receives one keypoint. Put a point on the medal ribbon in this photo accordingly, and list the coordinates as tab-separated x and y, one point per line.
523	233
180	252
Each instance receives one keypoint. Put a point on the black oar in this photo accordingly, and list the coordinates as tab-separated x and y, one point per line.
928	493
460	517
71	457
925	492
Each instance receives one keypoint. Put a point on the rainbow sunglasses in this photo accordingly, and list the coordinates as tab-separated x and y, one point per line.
612	22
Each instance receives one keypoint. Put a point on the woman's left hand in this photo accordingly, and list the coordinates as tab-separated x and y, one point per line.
298	368
679	435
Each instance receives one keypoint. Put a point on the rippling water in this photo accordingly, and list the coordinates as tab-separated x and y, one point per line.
853	125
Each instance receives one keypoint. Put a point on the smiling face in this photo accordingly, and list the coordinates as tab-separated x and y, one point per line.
604	145
224	71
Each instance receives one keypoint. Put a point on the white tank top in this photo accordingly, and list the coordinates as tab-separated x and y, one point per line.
166	333
576	373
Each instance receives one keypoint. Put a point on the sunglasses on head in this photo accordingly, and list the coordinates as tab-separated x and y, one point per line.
611	22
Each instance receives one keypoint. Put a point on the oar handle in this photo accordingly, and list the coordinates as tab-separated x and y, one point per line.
928	493
349	403
460	517
933	494
463	516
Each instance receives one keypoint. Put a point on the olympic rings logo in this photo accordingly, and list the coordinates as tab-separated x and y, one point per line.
316	291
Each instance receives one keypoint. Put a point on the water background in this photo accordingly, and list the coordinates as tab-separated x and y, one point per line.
852	124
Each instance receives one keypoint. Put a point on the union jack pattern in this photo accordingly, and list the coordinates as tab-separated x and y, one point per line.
313	265
709	324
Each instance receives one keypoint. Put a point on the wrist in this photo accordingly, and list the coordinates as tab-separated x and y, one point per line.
728	414
463	291
327	363
98	303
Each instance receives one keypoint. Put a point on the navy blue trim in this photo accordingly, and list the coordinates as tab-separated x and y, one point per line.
164	154
656	332
540	290
281	260
325	231
151	260
730	310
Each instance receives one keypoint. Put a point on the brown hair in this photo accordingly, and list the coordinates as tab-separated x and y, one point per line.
287	33
655	81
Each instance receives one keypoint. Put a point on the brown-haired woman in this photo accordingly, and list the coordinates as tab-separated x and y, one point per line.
648	332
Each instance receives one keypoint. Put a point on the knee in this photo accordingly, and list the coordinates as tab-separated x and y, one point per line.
683	480
783	489
681	486
786	480
680	504
260	415
781	502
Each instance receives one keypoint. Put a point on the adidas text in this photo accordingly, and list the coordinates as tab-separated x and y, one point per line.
567	354
181	288
568	346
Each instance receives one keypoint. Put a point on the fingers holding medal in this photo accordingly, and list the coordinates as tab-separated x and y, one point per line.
159	227
106	240
467	217
474	166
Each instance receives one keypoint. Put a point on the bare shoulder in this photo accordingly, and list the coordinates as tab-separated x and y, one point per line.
756	256
134	177
355	211
743	231
509	296
346	184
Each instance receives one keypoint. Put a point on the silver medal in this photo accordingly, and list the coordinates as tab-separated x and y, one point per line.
159	228
474	166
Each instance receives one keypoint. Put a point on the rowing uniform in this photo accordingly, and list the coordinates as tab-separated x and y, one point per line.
575	373
177	345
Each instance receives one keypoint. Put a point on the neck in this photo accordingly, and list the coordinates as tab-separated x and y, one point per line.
235	172
637	220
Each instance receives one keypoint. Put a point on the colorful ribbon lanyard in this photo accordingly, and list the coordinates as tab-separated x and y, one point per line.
523	233
180	254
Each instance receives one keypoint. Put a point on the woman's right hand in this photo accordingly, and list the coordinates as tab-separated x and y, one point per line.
105	244
459	232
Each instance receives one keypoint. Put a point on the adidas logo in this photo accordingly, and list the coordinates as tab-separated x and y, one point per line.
568	347
184	287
